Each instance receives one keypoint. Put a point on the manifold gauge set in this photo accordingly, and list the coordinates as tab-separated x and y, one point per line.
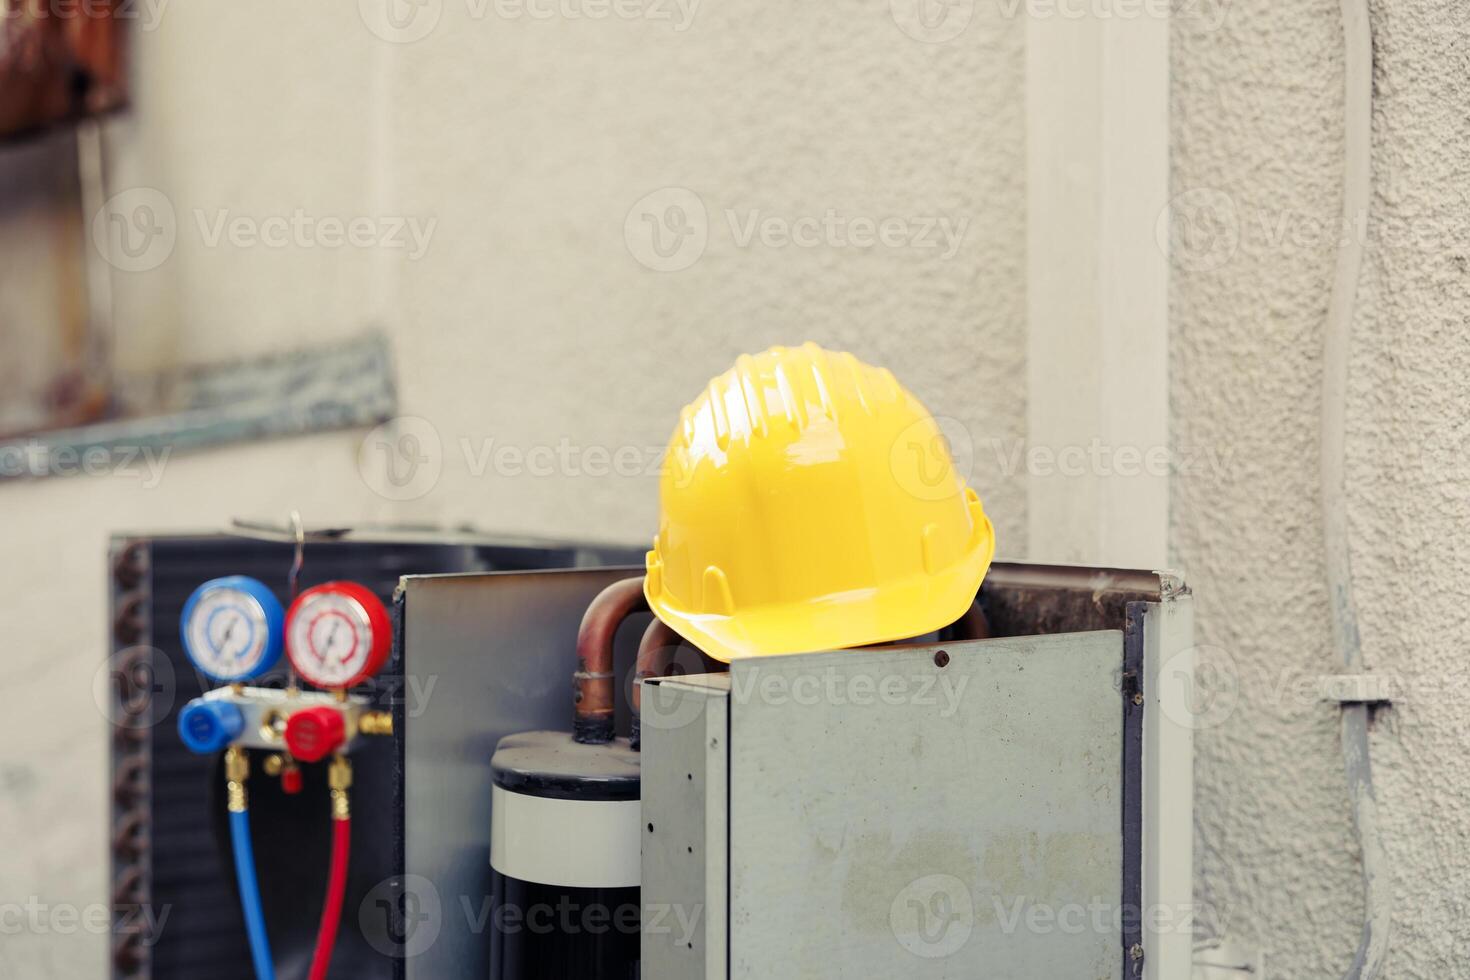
335	637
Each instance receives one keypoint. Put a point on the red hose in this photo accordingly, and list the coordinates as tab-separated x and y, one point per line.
326	937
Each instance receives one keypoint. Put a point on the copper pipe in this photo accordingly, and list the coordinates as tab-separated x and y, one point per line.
655	656
595	687
657	652
129	839
973	625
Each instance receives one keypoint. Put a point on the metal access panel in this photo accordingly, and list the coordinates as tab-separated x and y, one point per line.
492	655
1006	808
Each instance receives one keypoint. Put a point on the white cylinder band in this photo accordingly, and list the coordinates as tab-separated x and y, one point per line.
572	843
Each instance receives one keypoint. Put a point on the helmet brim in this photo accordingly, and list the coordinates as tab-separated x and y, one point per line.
897	611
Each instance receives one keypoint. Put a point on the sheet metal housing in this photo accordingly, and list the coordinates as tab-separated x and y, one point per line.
889	816
496	643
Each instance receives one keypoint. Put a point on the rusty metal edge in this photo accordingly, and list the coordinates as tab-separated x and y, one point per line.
1015	575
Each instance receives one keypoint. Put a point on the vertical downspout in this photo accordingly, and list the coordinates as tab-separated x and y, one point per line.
1337	342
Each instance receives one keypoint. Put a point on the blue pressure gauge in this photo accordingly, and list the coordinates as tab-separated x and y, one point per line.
233	628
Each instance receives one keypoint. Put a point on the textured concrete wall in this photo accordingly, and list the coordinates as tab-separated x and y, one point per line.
1257	156
528	320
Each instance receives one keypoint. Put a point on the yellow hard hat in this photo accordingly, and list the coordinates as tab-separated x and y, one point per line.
809	502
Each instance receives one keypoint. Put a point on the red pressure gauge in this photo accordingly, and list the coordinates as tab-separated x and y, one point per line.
337	635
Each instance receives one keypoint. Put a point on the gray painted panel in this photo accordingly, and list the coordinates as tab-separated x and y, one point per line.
1168	786
686	851
892	818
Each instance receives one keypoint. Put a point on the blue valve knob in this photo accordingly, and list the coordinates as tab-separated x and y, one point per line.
209	726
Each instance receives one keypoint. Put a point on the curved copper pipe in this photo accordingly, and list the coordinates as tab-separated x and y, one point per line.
655	655
594	680
973	625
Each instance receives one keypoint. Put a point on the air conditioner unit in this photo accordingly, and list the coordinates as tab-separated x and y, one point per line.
1015	807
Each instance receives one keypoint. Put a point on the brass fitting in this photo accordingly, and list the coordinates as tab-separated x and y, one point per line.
273	725
375	723
339	778
237	770
273	764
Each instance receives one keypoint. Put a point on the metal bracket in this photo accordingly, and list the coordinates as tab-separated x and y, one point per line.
1171	584
348	384
1348	689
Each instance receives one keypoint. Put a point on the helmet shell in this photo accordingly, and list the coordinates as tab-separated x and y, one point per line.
810	502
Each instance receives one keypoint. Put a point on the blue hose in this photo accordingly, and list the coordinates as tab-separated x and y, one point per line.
260	947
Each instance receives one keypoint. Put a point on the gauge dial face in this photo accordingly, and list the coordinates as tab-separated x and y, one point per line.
337	634
228	631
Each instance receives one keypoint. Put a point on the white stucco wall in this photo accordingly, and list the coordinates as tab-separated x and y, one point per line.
1257	138
527	320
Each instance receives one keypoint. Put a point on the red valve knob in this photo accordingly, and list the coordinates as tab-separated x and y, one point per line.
312	734
291	781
